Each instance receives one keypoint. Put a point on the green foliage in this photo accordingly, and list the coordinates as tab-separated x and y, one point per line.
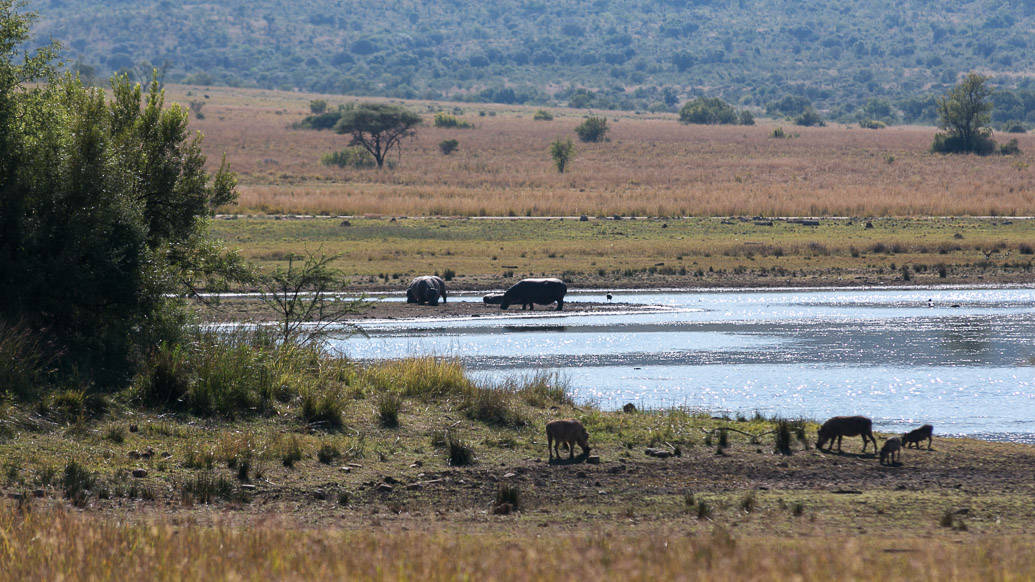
448	146
562	151
103	213
77	482
317	106
351	157
460	453
542	115
377	128
809	118
592	129
713	111
872	124
206	488
448	120
25	363
1010	148
322	408
493	405
964	115
388	407
301	296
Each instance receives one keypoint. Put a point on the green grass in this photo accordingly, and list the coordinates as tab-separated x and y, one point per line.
380	253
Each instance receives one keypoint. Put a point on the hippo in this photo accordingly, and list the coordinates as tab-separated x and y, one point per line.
528	292
426	290
493	299
841	426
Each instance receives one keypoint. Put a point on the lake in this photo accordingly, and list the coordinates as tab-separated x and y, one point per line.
962	359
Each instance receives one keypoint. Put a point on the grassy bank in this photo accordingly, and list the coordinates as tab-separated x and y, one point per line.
384	253
238	457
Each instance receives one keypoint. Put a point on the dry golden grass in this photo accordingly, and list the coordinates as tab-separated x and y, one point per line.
652	165
54	544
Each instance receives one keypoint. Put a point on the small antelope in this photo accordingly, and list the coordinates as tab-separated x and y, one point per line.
891	451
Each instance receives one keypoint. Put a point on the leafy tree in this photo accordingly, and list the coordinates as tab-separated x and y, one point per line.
317	106
592	129
711	111
809	118
103	213
448	146
302	297
964	114
562	151
377	127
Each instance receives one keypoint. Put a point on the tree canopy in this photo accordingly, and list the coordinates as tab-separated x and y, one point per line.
377	127
104	206
964	113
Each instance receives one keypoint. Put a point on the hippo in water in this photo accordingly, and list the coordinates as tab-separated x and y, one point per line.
528	292
426	290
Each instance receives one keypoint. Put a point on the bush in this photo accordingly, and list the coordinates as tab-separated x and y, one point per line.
778	133
592	129
317	106
872	124
951	144
448	146
443	119
388	409
809	118
327	454
352	157
507	493
425	377
562	152
206	488
493	406
713	111
1010	148
460	453
290	451
77	482
783	437
322	409
542	115
24	363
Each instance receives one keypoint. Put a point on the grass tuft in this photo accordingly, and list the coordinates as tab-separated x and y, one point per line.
460	453
388	407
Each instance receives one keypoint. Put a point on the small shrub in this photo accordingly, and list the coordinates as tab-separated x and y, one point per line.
448	120
460	453
290	451
205	488
748	502
809	118
24	362
448	274
592	129
872	124
542	115
115	434
704	510
322	409
448	146
1025	249
783	437
724	438
688	499
562	153
198	459
797	508
543	389
353	157
947	519
388	409
327	453
778	133
343	498
508	493
1010	148
317	106
77	482
493	406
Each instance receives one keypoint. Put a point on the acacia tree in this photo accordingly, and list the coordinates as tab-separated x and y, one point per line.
103	213
562	151
964	113
377	127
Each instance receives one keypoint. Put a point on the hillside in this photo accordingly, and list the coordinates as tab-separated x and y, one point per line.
601	54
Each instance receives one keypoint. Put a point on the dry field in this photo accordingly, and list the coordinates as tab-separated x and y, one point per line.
652	166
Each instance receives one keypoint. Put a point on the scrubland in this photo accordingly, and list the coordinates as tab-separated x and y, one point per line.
650	166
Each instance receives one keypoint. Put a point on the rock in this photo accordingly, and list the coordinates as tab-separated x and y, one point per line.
415	486
139	473
391	480
583	218
134	455
345	469
629	407
38	492
320	494
345	223
593	459
581	474
248	487
617	469
510	475
166	455
384	488
133	428
658	453
416	464
503	509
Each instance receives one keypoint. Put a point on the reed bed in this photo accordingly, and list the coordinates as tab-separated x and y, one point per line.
651	165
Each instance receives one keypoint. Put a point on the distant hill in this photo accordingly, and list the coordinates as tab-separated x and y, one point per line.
630	54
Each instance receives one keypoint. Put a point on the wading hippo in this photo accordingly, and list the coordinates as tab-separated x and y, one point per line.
842	426
915	436
493	299
528	292
568	432
426	290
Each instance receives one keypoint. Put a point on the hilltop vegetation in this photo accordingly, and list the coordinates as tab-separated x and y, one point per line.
602	54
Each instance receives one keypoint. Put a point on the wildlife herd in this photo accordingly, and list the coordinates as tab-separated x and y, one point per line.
428	290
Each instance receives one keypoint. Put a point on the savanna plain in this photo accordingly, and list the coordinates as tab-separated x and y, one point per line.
242	457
